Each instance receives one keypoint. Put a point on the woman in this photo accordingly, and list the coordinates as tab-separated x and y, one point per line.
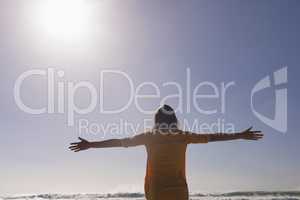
166	147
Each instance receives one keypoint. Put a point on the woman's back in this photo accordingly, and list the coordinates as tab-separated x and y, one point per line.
165	166
166	157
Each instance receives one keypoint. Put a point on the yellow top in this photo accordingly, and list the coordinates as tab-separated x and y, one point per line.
165	175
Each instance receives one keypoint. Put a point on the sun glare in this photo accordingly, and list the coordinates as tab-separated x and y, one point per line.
64	18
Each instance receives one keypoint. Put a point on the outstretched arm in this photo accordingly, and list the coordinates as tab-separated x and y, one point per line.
84	144
126	142
247	134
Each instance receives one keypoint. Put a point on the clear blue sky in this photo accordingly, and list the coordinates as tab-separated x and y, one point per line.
220	41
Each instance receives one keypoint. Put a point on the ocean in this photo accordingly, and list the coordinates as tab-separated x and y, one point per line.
257	195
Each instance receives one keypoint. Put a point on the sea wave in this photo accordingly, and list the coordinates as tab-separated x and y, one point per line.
253	195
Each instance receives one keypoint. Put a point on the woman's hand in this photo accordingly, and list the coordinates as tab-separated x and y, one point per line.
80	146
251	135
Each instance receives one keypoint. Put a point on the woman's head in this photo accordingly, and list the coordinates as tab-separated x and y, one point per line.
165	118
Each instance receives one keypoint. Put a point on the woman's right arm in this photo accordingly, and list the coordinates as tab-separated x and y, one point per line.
247	134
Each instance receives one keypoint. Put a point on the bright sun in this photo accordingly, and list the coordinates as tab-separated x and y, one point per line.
64	18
